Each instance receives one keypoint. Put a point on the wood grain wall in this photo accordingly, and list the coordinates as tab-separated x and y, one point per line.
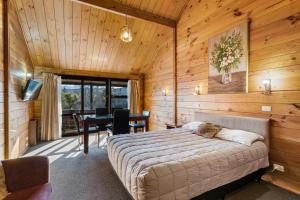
1	86
20	64
274	54
159	77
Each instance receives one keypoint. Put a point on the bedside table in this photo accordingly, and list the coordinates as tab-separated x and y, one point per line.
170	126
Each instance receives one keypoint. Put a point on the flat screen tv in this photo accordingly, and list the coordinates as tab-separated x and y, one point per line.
31	90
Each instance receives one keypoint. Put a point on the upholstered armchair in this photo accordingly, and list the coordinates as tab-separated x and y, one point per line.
27	178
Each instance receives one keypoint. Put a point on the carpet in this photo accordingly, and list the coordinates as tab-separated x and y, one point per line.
75	176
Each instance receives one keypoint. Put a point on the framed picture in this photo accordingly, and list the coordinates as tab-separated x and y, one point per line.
228	61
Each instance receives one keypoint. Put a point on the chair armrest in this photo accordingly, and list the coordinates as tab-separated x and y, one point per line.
25	172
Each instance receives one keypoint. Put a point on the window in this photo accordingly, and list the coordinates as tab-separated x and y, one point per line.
71	103
71	96
94	95
118	95
85	94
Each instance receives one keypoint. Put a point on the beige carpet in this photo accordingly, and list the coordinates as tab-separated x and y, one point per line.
75	176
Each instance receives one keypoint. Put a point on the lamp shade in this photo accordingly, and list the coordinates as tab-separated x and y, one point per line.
126	35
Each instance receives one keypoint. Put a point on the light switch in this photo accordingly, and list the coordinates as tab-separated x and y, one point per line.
266	108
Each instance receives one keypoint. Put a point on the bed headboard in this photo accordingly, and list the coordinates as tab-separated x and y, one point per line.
256	125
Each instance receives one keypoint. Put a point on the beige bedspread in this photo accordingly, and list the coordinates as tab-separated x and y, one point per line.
176	164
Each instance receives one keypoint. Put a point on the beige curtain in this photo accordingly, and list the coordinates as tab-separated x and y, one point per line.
133	96
51	108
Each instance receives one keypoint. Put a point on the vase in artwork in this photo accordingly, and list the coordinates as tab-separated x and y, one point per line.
226	77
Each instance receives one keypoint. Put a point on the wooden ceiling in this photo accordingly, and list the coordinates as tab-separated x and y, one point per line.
166	8
69	35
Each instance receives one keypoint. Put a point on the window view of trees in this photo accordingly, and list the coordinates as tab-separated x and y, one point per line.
84	95
94	95
118	95
99	97
71	97
119	100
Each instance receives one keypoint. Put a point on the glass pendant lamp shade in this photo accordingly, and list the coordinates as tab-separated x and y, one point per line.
126	35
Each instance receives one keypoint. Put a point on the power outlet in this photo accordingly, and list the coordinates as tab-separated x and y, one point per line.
278	167
266	108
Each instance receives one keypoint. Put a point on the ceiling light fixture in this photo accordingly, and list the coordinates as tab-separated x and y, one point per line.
126	35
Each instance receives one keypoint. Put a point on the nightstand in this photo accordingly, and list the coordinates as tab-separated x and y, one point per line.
170	126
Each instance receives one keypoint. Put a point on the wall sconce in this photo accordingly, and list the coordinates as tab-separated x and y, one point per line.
28	75
267	85
198	90
164	92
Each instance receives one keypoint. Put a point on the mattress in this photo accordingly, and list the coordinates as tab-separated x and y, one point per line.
176	164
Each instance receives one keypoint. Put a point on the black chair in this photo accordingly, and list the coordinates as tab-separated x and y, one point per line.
101	111
80	131
120	123
142	125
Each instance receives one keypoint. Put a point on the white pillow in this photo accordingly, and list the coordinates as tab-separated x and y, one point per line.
193	125
3	190
240	136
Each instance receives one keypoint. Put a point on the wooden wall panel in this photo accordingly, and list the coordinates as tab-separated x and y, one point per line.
20	64
1	85
159	77
274	54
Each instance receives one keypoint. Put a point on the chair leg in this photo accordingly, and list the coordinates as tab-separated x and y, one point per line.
79	142
108	134
98	139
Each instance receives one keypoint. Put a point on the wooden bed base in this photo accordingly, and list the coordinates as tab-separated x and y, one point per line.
220	192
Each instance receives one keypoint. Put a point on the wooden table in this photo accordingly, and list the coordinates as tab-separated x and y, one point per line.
104	120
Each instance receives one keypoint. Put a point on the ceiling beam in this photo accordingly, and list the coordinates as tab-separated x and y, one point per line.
121	9
38	71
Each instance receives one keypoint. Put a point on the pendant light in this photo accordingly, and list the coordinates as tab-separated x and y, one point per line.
126	35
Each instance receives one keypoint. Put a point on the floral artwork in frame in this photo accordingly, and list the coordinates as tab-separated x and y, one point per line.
228	61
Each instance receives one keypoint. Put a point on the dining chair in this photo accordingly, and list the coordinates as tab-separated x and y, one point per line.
101	111
80	131
120	123
140	125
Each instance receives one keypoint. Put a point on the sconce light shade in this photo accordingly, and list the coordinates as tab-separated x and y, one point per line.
164	92
28	75
198	90
267	86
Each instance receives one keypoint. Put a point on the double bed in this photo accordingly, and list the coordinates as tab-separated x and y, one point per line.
177	164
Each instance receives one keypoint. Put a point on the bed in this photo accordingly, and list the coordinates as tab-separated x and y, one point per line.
176	164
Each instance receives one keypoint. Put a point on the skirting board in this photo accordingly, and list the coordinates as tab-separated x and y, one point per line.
278	179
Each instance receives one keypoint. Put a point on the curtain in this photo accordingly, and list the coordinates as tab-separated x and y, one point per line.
51	108
133	96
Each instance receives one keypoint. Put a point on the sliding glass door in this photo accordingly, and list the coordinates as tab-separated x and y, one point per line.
71	98
82	95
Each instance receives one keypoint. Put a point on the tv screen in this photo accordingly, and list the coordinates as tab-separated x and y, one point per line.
31	90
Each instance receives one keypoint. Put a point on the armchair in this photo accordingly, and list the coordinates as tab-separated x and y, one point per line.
27	178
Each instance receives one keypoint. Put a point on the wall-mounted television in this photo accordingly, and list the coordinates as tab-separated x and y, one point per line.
31	90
